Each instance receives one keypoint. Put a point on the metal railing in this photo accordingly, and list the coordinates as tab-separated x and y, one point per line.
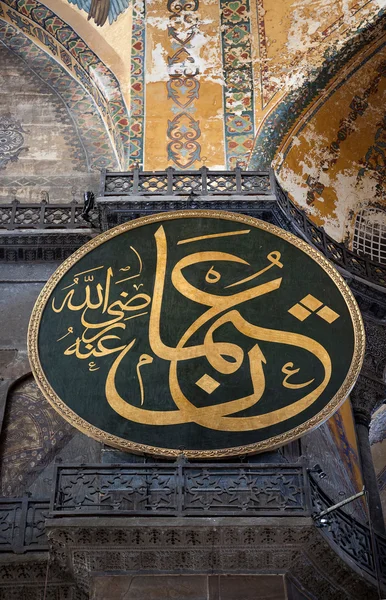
350	537
176	183
180	489
22	525
18	215
244	185
334	251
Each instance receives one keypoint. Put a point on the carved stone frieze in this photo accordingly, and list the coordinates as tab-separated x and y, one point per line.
43	246
221	545
371	299
33	578
116	210
370	389
375	359
368	394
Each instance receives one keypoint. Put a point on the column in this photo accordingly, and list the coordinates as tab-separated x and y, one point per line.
362	418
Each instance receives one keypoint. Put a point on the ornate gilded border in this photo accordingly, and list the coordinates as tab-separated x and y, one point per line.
271	443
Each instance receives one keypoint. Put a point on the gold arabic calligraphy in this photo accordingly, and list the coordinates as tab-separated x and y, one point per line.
103	337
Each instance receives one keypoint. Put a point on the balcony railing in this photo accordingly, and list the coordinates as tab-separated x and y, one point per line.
184	489
18	215
233	190
334	251
175	183
22	525
180	490
346	534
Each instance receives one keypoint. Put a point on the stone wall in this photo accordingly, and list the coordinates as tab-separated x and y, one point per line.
41	153
333	447
378	450
190	587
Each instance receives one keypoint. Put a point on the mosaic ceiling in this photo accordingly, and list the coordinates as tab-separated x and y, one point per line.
227	82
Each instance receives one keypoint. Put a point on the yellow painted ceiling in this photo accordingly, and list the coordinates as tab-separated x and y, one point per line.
215	72
334	162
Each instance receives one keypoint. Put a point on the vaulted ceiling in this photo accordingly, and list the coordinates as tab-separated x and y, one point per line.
224	82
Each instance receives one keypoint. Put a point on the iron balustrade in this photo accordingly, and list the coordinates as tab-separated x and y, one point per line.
136	193
334	251
18	215
177	183
22	525
180	490
347	535
184	489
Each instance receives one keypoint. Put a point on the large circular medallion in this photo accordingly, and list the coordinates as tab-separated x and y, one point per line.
202	332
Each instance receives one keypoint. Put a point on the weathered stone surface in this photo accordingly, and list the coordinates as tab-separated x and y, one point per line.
188	587
212	546
51	162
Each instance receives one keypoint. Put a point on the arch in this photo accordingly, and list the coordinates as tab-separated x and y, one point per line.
326	143
45	433
90	90
279	124
18	381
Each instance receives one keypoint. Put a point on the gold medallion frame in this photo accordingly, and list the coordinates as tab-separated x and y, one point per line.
126	445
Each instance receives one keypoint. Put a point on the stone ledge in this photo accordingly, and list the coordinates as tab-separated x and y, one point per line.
290	545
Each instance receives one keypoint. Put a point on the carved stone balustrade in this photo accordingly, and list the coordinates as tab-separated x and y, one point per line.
196	517
181	490
218	518
22	525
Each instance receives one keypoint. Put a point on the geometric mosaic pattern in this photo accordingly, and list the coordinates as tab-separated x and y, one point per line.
15	184
238	81
63	44
45	433
137	84
12	139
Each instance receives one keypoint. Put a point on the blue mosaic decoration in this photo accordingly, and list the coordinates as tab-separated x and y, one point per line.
238	81
69	50
11	139
183	87
137	84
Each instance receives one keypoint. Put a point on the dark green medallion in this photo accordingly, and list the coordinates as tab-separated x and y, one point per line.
204	332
